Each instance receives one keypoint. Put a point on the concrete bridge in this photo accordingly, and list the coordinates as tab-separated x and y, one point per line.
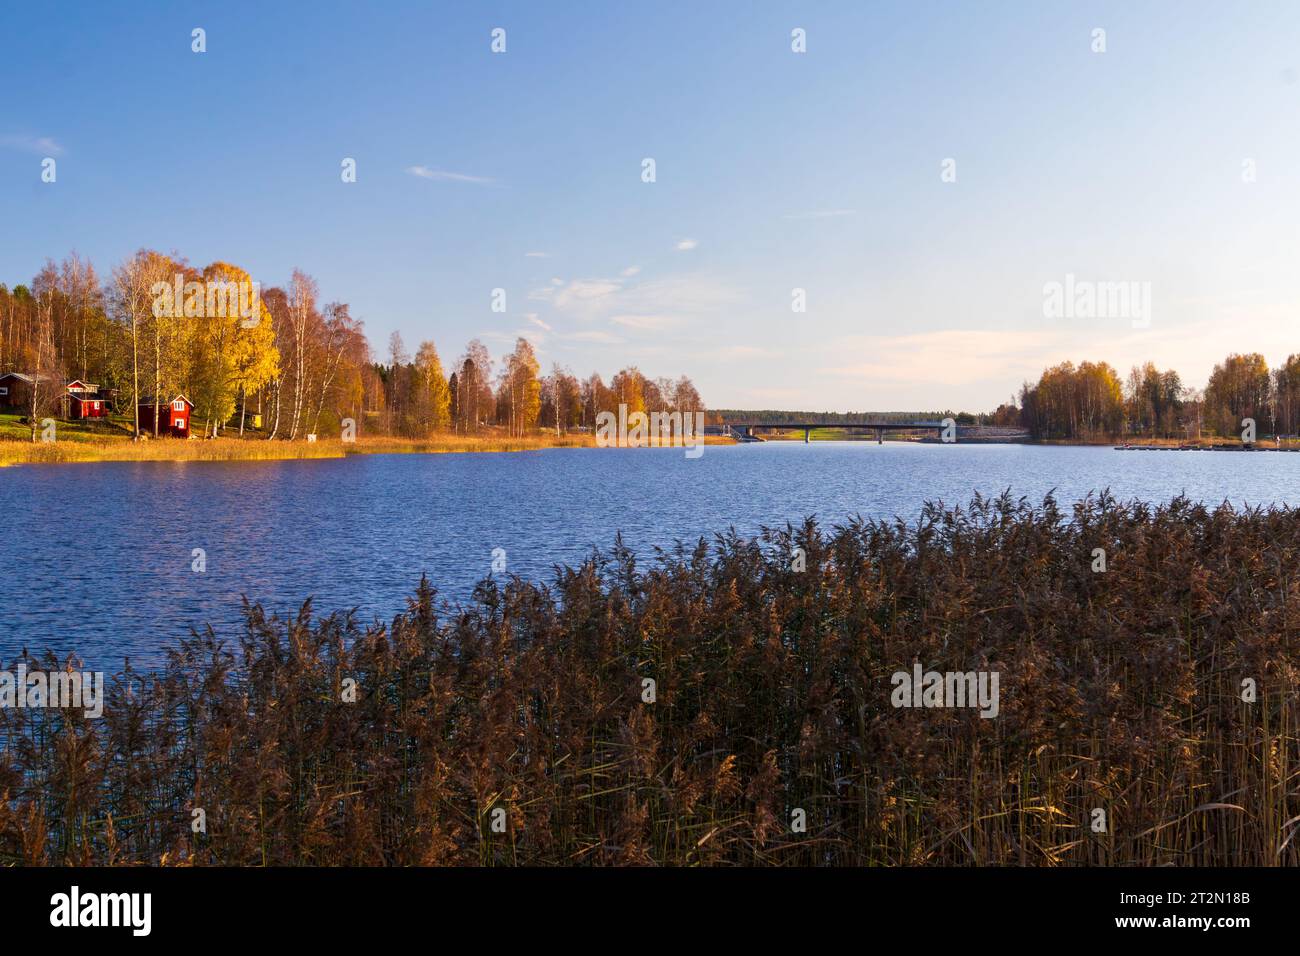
745	430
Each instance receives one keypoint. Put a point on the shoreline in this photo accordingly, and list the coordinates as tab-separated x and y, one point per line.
1215	443
90	451
13	453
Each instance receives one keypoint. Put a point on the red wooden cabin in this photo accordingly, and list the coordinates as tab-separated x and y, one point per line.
84	401
16	390
172	419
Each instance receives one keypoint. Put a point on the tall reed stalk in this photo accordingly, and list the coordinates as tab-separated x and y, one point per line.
1120	691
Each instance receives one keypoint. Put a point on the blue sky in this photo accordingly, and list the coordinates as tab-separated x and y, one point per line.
775	171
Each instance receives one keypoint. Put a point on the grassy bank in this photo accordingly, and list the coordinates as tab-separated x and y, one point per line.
106	441
452	443
220	449
92	448
1120	692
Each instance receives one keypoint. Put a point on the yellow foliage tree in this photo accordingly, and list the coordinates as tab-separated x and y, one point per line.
235	351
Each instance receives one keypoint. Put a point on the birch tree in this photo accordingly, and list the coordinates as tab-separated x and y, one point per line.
134	282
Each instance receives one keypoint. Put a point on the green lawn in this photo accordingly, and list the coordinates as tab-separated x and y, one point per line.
14	427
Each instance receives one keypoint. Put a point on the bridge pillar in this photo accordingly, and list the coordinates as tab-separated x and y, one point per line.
880	436
806	432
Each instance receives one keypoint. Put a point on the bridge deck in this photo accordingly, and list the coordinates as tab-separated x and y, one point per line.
800	426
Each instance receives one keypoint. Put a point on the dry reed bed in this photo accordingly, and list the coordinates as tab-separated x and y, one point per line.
259	449
1119	691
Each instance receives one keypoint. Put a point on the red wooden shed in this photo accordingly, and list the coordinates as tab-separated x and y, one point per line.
84	401
172	419
16	389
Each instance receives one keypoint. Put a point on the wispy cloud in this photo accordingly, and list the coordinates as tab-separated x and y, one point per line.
537	255
532	317
599	336
630	271
652	306
443	176
649	322
44	145
686	245
576	295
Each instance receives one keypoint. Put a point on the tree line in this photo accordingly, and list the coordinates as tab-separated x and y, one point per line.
1091	401
280	362
413	395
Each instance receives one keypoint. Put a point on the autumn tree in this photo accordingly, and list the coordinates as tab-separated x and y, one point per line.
520	388
137	287
685	396
1153	400
1071	402
434	397
255	359
561	400
1239	388
1286	391
46	377
473	387
86	321
232	353
298	327
628	388
596	398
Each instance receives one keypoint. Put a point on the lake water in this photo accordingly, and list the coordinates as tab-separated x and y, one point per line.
97	558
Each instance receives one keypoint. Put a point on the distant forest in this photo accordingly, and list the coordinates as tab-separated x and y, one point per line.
1090	401
299	364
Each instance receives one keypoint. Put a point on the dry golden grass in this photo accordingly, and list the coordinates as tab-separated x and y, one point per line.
164	449
15	452
80	447
1119	691
466	443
